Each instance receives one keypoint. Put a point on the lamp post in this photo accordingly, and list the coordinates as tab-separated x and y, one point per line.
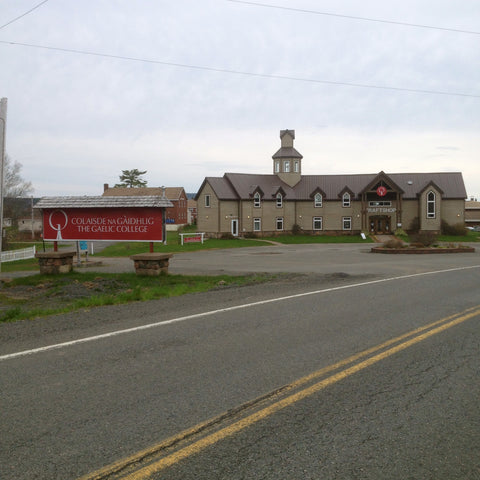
3	126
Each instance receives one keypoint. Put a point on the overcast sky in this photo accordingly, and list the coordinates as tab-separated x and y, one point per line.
186	89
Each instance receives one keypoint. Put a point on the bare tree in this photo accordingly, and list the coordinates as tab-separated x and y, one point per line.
14	185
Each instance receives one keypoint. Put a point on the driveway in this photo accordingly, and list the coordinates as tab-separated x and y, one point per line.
313	258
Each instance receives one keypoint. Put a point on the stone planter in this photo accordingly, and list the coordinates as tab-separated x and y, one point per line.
151	264
53	263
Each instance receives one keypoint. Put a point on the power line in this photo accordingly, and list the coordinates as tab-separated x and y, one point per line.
352	17
239	72
23	14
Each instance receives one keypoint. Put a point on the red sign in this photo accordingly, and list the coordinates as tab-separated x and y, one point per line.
196	238
122	224
381	191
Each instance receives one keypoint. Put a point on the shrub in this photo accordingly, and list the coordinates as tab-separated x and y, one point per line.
414	225
425	239
399	232
393	243
250	235
296	229
227	236
457	230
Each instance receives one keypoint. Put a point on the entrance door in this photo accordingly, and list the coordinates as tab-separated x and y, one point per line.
380	224
234	229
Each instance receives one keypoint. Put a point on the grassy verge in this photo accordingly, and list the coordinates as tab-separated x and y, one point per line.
40	295
30	264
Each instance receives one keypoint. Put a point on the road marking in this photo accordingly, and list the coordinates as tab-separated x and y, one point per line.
407	340
194	316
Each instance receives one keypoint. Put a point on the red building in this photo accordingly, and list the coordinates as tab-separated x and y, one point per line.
175	216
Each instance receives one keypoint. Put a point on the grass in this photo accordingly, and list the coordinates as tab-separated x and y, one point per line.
469	237
124	249
303	239
41	295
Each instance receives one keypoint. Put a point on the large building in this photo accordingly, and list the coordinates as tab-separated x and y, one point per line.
286	200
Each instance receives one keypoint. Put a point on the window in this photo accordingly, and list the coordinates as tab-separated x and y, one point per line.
346	199
296	166
347	223
318	200
317	223
207	200
279	200
256	200
257	224
384	203
279	223
286	166
277	166
431	205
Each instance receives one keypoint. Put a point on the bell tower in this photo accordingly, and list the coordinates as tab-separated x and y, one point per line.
287	162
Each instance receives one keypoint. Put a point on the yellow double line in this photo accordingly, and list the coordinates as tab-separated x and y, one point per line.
150	461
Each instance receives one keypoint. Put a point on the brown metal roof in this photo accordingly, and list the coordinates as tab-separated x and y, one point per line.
103	202
287	152
172	193
235	186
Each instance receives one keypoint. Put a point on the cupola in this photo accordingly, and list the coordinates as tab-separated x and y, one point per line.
287	162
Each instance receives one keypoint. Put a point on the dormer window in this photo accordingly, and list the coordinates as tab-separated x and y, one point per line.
256	200
346	199
279	199
318	200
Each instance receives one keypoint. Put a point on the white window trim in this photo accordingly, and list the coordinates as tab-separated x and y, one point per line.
316	219
346	200
257	200
277	166
318	203
431	202
286	166
257	221
279	200
296	166
346	219
276	224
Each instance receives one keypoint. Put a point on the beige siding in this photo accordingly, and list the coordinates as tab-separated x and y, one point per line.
409	213
228	212
453	211
207	219
430	224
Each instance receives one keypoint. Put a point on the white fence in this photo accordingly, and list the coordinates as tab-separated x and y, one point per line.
12	255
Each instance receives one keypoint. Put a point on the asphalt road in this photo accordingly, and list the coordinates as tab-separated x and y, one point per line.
409	413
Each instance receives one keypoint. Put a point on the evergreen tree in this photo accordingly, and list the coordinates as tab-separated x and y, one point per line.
131	179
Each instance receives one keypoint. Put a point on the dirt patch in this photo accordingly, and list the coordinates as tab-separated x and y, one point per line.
53	295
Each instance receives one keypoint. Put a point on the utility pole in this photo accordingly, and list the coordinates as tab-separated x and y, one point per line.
3	130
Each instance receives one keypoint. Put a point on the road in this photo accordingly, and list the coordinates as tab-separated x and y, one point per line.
383	400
